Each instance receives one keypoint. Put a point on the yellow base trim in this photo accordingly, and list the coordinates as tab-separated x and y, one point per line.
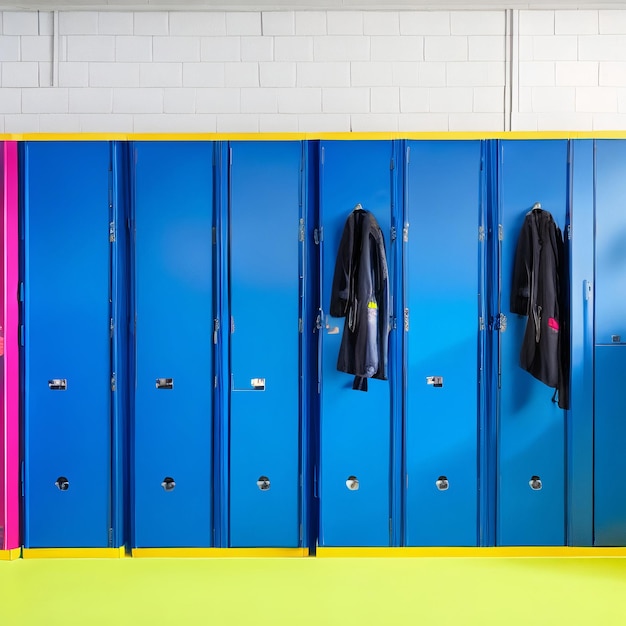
74	553
514	551
10	555
219	552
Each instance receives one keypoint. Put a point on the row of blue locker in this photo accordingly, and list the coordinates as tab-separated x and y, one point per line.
179	379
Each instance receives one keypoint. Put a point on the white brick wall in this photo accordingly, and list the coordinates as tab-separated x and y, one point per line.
318	71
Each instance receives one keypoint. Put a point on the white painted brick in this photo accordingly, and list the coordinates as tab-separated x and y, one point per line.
523	121
293	48
278	23
557	48
432	74
311	23
36	48
78	23
612	22
524	100
596	99
167	123
110	74
277	75
564	121
259	100
602	47
475	73
486	48
419	122
115	23
1	116
243	24
20	23
612	74
278	123
445	48
11	101
536	22
341	48
21	123
525	48
300	100
91	100
621	100
373	123
214	100
160	75
385	100
381	23
257	48
220	49
133	49
324	123
151	23
488	100
180	49
228	123
414	99
137	100
425	23
46	23
190	23
554	99
203	75
344	22
578	73
450	99
345	100
537	73
323	74
576	22
477	23
476	122
609	121
406	73
179	100
406	48
58	123
109	123
241	74
45	74
45	100
86	48
371	74
9	48
20	74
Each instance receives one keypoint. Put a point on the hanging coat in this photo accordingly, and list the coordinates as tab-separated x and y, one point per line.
360	293
539	291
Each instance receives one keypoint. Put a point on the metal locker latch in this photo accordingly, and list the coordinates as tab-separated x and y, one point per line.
616	338
442	483
535	483
58	384
62	483
257	384
435	381
263	483
168	483
165	383
352	483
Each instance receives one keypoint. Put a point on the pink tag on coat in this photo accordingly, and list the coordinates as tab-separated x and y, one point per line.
552	323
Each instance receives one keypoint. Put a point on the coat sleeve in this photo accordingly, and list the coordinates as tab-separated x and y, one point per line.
520	286
340	293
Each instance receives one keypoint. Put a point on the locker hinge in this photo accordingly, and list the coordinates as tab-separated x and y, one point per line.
481	233
394	323
22	478
110	537
569	231
319	320
216	327
111	328
113	382
215	382
20	293
214	235
299	324
230	156
111	232
390	528
318	235
407	481
301	533
301	230
500	322
405	233
392	165
322	156
500	232
232	324
408	155
394	233
481	323
406	320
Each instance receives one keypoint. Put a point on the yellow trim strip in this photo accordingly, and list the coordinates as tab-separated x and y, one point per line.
516	551
10	555
74	553
218	552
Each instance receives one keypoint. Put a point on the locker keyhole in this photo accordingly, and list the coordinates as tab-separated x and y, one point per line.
352	483
168	483
442	483
535	483
263	483
62	483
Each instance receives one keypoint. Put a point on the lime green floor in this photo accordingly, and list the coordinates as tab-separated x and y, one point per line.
386	591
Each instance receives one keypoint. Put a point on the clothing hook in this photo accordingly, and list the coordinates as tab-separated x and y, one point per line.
537	206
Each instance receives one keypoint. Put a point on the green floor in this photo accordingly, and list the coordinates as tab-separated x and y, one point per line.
416	591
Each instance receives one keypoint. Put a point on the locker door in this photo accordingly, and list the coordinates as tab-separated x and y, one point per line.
355	428
173	274
442	274
264	344
531	428
67	369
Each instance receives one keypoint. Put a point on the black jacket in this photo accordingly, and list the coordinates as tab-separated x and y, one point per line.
360	293
539	290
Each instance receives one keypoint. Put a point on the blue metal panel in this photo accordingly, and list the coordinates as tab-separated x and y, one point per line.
355	426
67	433
173	268
531	427
265	255
442	422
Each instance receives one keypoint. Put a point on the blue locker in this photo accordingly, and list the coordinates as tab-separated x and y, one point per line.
443	266
67	312
173	344
265	287
355	429
531	428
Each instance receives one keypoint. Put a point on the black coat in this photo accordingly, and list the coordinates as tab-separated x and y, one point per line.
360	293
539	291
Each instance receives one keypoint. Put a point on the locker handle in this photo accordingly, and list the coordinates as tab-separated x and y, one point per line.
58	384
165	383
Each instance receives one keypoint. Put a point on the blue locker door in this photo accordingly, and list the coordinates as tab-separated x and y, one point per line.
355	430
265	344
67	369
531	428
173	274
442	274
